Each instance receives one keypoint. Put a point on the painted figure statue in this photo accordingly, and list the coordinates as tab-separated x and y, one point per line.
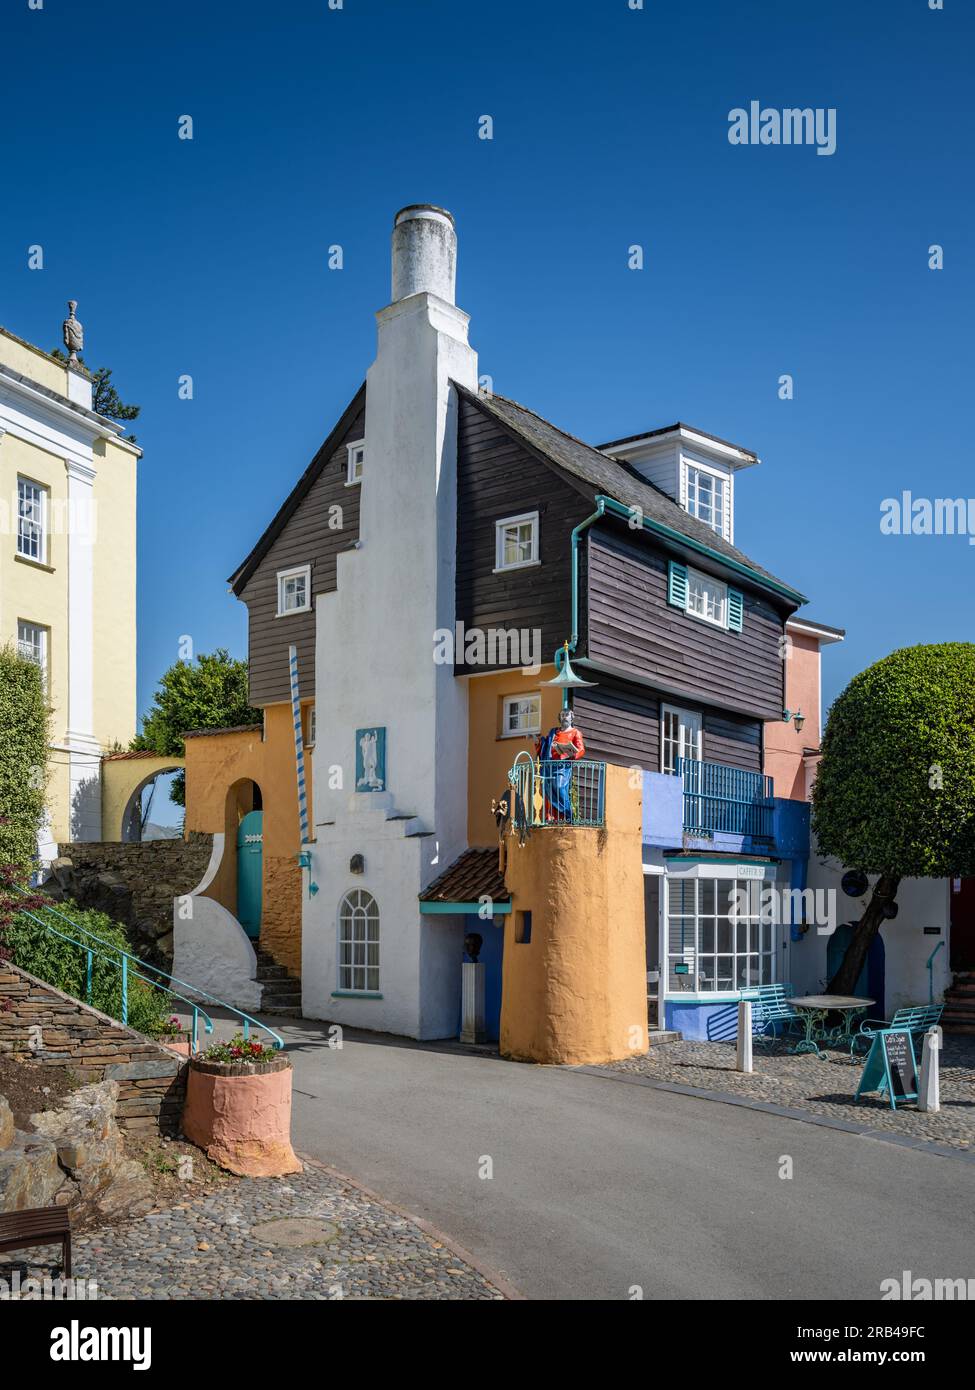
557	751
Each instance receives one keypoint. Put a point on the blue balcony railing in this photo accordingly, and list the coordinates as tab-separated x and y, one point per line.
559	792
725	800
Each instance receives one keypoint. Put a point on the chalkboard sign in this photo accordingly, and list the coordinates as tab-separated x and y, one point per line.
890	1067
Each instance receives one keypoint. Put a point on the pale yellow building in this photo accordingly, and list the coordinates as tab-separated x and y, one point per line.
68	571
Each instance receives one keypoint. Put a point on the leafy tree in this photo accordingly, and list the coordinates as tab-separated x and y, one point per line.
23	760
210	693
104	397
895	790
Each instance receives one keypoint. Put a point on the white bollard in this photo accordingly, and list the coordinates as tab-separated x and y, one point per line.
744	1062
929	1097
472	1002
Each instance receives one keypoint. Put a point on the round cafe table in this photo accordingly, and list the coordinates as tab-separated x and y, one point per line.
815	1008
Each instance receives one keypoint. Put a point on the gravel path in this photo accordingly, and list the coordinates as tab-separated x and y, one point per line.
217	1247
824	1086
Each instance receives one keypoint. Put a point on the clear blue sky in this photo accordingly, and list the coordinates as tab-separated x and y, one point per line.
313	126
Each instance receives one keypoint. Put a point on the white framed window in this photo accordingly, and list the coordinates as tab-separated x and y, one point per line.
516	542
718	938
707	495
355	462
294	590
31	520
520	715
32	645
707	598
311	727
359	942
681	732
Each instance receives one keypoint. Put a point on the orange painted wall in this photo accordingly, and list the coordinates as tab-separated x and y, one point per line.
489	756
577	992
783	745
218	770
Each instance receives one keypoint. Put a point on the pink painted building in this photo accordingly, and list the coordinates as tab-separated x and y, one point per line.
791	753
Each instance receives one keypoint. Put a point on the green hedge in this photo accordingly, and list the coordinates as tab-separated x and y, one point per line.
23	759
64	965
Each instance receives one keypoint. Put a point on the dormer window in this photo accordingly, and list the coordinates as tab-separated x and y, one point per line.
356	462
294	590
706	496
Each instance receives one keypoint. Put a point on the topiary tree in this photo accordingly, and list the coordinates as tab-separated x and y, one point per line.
23	760
895	789
210	693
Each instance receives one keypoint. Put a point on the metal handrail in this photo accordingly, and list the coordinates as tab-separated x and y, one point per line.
718	797
277	1042
542	789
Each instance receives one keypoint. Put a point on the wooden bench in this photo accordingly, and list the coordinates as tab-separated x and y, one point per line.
37	1226
917	1018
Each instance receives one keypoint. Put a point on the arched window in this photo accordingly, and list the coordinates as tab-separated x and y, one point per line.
359	942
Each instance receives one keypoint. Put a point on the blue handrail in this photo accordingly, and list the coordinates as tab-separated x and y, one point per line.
123	959
726	799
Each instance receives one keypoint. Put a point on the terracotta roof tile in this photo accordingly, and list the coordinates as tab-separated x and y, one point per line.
472	876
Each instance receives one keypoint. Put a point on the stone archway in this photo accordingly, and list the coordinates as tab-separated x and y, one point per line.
124	778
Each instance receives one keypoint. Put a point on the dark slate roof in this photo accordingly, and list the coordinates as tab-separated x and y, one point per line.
615	479
238	580
469	878
669	429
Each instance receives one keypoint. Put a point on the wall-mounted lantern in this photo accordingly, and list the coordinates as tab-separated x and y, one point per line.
797	717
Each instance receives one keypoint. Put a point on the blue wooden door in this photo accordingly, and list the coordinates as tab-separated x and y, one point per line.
250	848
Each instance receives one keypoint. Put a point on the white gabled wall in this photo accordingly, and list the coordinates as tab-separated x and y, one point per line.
374	662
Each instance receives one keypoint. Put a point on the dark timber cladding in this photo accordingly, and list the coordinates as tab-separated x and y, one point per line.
631	627
304	533
620	723
498	477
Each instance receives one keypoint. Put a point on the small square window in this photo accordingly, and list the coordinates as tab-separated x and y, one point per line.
521	714
516	542
294	590
707	598
356	462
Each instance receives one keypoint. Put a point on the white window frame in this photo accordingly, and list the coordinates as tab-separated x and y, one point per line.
37	528
355	462
508	704
296	572
690	726
310	741
524	518
720	619
38	652
367	909
684	935
689	466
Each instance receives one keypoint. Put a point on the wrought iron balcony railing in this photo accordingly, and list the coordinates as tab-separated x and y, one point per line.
558	791
725	799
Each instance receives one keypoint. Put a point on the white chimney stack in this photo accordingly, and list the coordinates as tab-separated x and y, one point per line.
424	252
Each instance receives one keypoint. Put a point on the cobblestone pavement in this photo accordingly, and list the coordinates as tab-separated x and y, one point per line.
824	1086
209	1249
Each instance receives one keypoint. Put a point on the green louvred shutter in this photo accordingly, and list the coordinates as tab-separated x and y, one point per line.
736	610
677	585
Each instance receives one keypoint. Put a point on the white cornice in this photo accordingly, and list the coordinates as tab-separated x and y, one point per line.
52	414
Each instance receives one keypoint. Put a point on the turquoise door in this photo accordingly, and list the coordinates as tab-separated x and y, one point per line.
250	849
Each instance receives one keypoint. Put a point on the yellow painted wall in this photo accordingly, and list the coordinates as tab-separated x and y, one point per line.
489	755
577	992
38	593
218	766
121	778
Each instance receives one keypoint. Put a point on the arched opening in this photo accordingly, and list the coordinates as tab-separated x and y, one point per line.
150	813
245	832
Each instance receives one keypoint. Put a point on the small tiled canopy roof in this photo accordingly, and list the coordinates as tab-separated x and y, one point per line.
133	753
473	876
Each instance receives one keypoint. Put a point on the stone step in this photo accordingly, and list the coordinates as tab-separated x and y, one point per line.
281	1011
658	1036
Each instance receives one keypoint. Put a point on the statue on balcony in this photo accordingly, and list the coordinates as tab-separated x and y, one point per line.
556	752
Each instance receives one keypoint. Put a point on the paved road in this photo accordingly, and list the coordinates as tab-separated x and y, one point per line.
599	1185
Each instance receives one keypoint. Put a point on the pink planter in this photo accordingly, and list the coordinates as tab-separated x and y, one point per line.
182	1049
239	1113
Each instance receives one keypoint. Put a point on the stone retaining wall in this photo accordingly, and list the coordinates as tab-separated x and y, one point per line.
41	1023
134	883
